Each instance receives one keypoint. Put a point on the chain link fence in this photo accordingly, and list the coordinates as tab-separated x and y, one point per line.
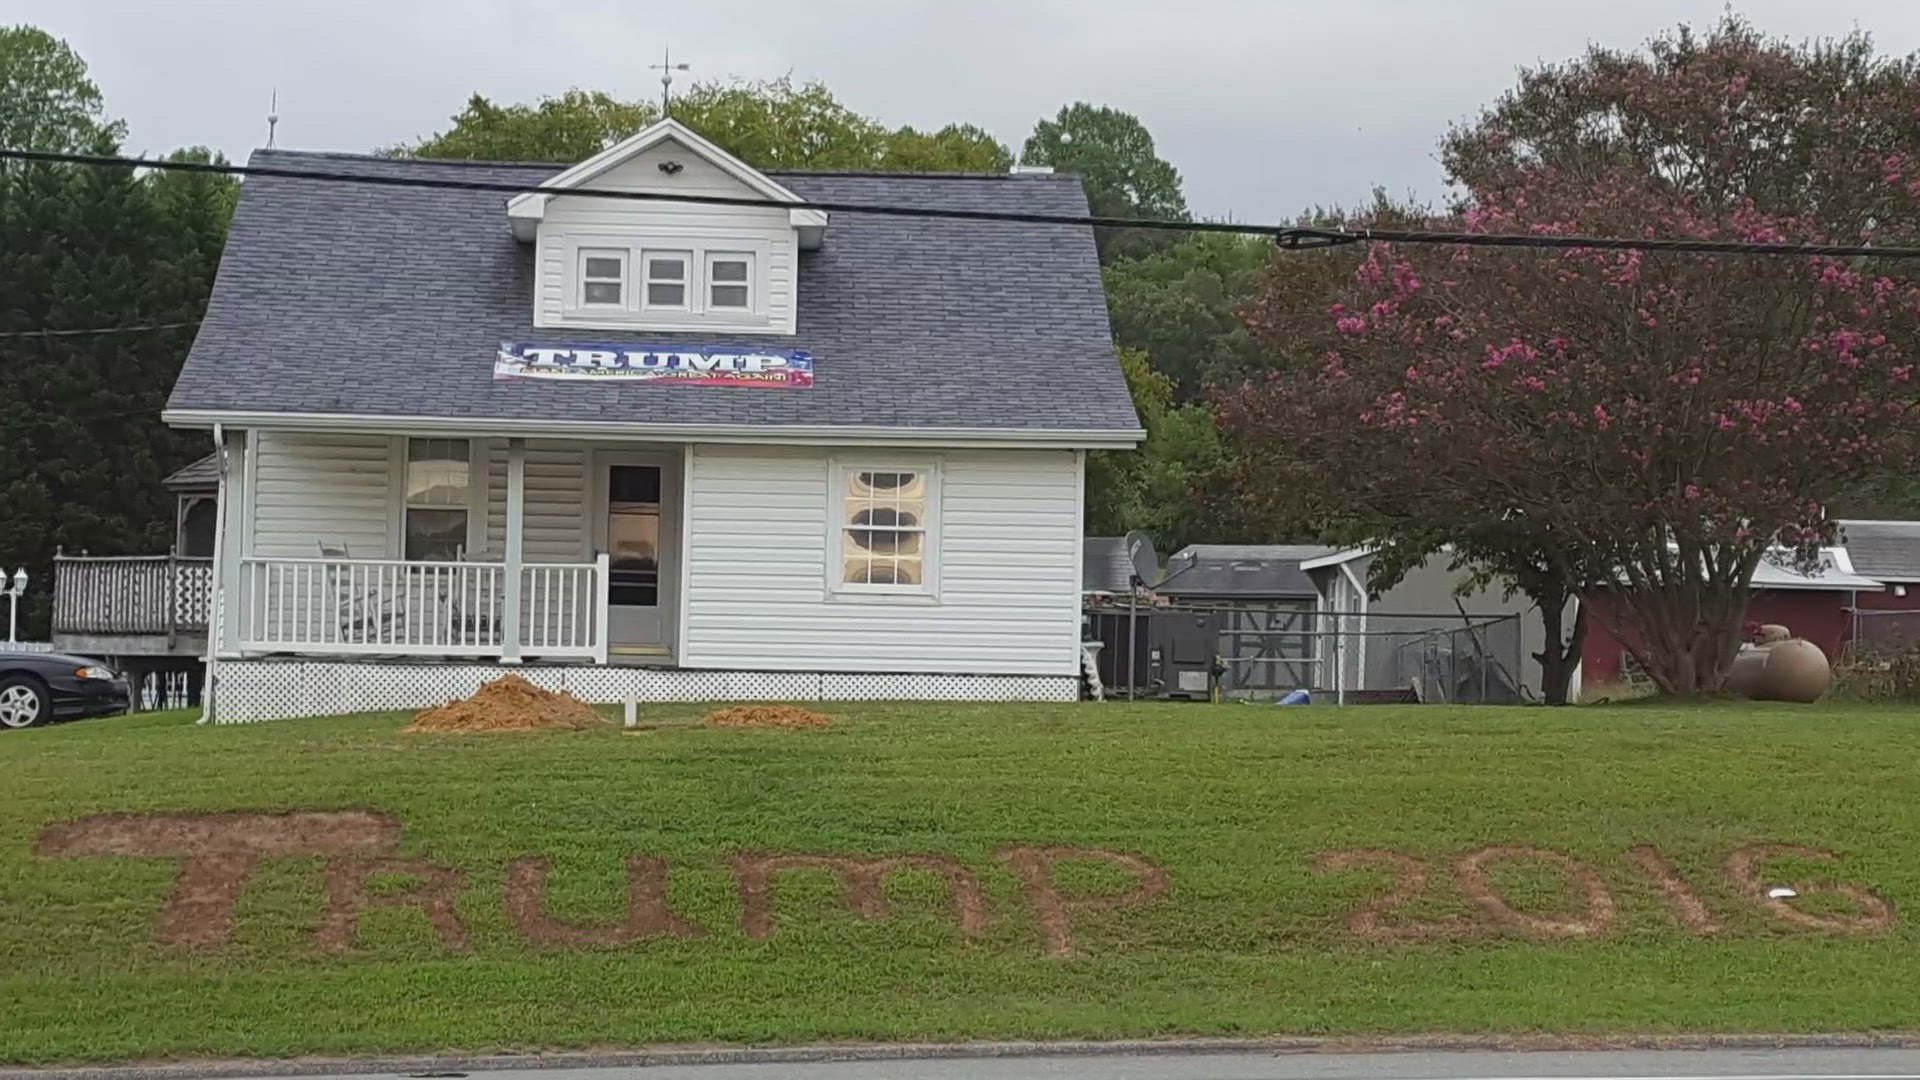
1266	651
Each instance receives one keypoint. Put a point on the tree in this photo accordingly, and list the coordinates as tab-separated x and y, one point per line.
772	124
1663	422
82	448
1155	486
46	100
1181	305
1823	130
1113	154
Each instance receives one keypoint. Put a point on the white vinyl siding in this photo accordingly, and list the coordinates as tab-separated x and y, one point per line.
557	495
766	236
336	489
1008	594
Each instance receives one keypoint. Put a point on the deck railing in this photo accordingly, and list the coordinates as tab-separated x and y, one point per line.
415	608
131	595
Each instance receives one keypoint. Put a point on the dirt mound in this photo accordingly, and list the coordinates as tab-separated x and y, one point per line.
509	703
780	716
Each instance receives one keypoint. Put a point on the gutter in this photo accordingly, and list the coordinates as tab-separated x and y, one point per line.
761	434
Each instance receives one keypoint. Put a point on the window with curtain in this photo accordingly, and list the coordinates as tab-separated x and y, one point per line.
439	492
884	538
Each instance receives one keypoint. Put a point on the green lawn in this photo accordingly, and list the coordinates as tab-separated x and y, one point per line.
1232	802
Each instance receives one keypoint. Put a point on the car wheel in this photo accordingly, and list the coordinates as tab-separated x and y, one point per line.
23	702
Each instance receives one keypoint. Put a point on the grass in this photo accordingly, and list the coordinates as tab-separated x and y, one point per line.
1232	801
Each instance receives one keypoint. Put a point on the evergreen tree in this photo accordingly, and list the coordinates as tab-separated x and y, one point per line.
82	448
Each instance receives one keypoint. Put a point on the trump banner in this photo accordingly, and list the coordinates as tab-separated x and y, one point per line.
680	365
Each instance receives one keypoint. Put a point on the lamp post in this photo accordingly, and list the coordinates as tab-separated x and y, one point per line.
14	588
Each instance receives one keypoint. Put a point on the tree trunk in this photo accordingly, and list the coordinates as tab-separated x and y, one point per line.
1559	655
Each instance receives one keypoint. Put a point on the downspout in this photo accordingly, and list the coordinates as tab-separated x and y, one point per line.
216	602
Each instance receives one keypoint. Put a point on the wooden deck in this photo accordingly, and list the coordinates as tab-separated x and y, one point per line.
138	605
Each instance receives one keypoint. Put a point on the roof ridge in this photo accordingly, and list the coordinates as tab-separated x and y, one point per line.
490	163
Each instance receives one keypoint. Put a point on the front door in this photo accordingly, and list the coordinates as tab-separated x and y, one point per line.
637	525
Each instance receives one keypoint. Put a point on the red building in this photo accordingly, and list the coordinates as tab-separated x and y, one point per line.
1819	607
1888	552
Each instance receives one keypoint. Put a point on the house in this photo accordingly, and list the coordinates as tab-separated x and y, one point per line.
1422	633
1818	605
647	448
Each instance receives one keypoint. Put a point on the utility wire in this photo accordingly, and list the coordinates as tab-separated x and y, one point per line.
1286	236
99	330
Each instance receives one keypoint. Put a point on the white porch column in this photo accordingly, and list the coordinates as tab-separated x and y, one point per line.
516	544
233	540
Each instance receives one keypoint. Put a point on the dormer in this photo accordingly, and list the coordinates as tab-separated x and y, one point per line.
626	264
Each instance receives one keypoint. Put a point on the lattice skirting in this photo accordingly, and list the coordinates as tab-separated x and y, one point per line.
249	690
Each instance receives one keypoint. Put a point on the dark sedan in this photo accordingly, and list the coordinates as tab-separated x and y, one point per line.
38	687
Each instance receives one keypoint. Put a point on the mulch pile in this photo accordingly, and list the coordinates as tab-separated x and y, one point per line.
772	716
509	703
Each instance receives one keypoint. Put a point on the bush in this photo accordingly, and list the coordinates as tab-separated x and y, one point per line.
1880	671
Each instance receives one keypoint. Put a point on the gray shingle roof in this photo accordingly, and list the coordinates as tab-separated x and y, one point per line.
203	474
342	298
1250	571
1885	550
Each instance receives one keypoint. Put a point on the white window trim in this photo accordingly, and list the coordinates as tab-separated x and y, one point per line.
707	283
625	256
479	476
696	316
687	282
928	591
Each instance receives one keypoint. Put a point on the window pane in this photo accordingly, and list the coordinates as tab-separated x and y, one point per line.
633	535
893	529
667	295
437	472
666	270
883	570
603	292
603	268
436	535
729	270
729	296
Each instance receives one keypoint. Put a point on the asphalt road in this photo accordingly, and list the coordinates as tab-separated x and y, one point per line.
1755	1064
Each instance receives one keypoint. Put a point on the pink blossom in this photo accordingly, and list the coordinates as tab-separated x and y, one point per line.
1351	324
1601	418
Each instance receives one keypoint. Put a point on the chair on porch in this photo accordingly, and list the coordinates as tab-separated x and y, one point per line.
361	610
470	616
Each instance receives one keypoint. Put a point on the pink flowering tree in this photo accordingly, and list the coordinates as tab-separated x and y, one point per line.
1646	425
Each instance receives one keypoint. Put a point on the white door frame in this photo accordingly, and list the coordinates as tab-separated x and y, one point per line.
672	566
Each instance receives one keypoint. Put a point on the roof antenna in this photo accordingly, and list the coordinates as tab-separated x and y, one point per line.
666	67
273	116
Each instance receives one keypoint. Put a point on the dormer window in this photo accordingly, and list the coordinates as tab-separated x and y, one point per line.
667	280
729	281
603	278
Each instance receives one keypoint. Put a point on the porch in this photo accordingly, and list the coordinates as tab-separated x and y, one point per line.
142	605
417	608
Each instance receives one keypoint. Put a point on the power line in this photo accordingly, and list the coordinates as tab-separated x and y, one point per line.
1292	237
99	330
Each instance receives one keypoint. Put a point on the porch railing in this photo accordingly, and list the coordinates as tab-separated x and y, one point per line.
131	595
407	608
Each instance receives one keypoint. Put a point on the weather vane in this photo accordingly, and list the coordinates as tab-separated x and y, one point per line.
273	116
666	67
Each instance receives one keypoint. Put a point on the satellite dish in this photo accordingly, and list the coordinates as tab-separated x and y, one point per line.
1145	560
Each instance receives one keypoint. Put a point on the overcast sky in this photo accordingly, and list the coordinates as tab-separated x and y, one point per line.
1266	106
